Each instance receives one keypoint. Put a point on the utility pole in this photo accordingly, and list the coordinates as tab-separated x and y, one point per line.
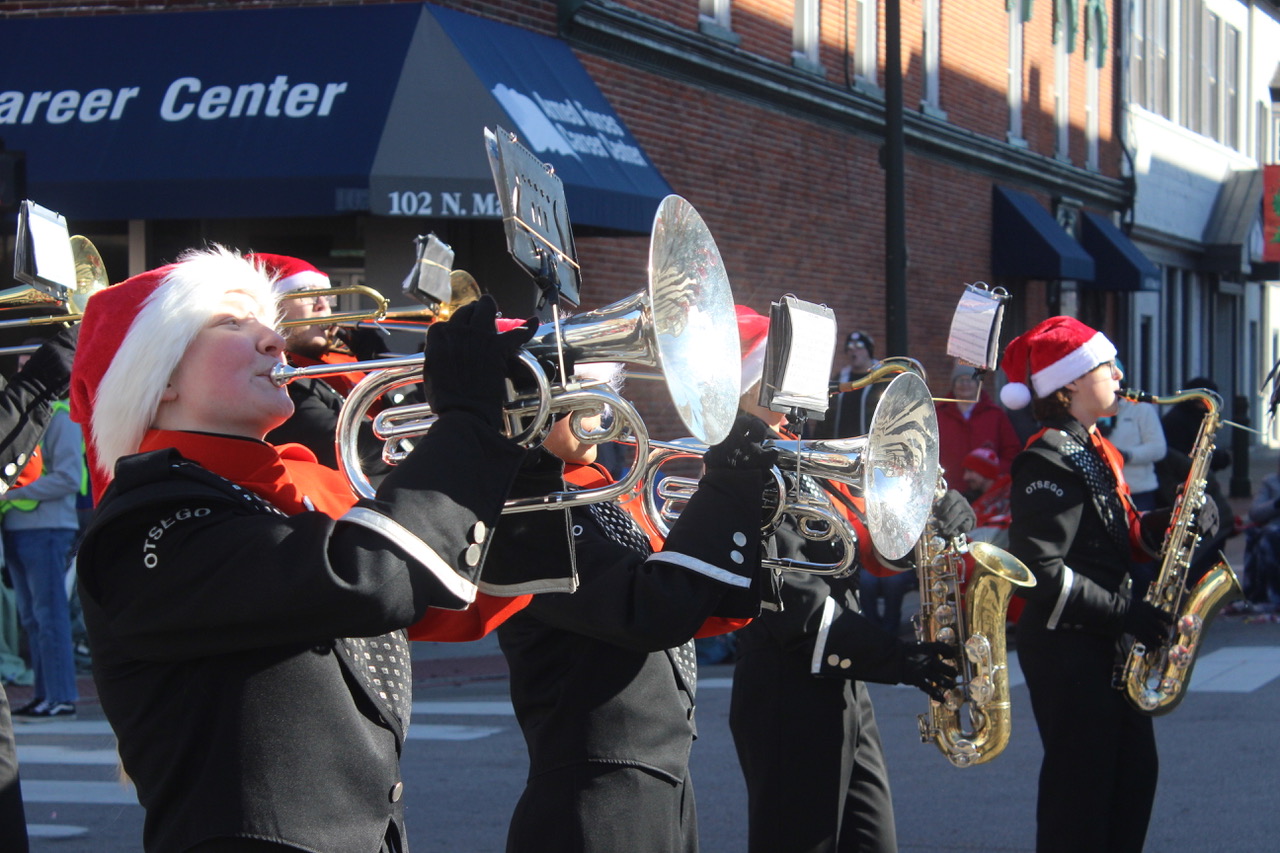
892	159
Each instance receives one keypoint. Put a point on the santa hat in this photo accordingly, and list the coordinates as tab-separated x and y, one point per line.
1057	351
753	334
290	273
133	336
984	461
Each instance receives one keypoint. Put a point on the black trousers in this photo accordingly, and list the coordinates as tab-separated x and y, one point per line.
1098	778
811	756
592	807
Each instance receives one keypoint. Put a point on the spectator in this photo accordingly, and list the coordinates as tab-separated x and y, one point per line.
971	419
40	526
1262	545
991	507
1139	437
850	412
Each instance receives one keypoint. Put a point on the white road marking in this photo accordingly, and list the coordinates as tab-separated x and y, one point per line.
45	754
440	732
500	708
69	791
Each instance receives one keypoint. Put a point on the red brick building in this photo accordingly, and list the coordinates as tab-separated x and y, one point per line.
770	117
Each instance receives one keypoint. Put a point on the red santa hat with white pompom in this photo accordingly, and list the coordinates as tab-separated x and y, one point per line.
1057	351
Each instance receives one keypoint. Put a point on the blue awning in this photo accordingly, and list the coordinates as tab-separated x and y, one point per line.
1026	242
1120	264
309	111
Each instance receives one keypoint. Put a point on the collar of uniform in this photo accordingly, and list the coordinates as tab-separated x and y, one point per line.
289	477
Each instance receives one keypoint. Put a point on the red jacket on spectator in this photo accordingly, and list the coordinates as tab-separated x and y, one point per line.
987	424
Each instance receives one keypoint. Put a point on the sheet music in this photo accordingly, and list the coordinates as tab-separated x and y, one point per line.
975	327
802	343
43	256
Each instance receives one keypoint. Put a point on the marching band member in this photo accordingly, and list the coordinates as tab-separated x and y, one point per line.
1076	529
317	400
802	720
221	573
603	681
26	407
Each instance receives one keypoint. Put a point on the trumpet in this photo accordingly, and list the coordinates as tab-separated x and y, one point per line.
894	467
91	276
378	311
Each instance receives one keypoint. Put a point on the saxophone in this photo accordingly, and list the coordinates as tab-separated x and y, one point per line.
1155	682
978	626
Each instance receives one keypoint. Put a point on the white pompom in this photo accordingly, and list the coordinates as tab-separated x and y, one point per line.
1015	395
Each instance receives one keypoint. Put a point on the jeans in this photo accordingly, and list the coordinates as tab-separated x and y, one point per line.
892	590
37	561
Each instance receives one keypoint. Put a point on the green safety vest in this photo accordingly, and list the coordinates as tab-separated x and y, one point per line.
25	504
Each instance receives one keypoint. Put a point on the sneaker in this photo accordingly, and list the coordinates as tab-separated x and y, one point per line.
27	709
45	712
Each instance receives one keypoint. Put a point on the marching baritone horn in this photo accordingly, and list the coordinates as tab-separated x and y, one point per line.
683	324
894	467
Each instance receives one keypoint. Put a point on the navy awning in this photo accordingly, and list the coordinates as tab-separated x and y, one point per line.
308	111
1120	264
1026	242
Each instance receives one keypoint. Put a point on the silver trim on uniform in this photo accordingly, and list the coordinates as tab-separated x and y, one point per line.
824	628
1068	581
693	564
404	539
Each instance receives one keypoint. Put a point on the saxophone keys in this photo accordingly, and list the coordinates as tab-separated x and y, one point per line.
1181	656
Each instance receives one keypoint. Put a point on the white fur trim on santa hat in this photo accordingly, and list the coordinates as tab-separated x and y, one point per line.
1015	395
1097	350
158	337
304	279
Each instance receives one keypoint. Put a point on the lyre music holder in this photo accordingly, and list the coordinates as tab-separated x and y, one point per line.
428	281
535	217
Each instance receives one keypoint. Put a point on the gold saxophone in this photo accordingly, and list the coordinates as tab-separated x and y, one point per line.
1155	682
979	628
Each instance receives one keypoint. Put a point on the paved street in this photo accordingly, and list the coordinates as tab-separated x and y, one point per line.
465	762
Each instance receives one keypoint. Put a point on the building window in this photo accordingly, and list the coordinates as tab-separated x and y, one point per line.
714	20
865	54
1231	87
1211	91
805	37
1091	97
1015	75
1200	87
1149	46
932	20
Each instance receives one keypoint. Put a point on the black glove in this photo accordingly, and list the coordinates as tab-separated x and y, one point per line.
741	448
924	665
50	366
1155	524
467	361
1207	519
1147	623
953	514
